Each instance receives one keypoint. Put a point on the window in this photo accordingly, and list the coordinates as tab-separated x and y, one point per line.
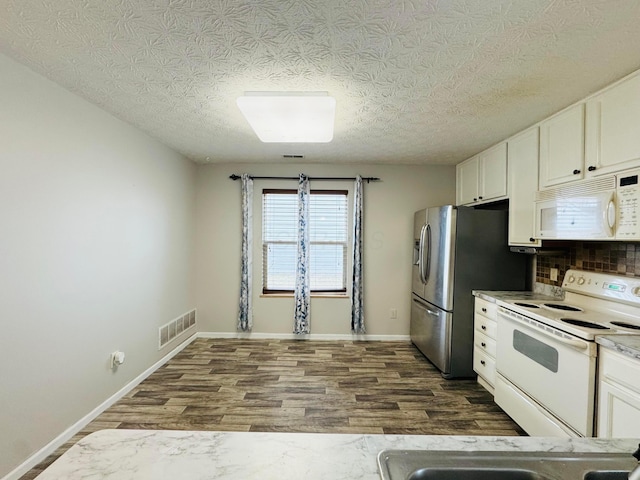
327	235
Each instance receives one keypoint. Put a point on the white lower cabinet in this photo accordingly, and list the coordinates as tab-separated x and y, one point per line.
484	342
618	395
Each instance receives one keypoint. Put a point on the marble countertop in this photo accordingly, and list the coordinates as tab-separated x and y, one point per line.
160	454
626	344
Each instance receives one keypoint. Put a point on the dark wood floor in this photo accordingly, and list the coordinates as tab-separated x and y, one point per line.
302	386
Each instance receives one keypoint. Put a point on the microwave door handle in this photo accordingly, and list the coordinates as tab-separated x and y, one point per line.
610	216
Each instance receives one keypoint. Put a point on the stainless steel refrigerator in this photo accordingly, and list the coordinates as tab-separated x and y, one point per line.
457	250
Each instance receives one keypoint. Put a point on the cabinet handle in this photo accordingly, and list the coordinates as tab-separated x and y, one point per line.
531	239
484	309
480	198
591	168
475	199
483	344
483	362
483	327
576	172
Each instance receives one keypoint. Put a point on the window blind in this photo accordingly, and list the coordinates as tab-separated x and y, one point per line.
328	237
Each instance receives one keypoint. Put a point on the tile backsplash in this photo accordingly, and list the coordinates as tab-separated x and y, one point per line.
609	257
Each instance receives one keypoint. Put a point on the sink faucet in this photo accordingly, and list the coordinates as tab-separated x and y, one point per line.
635	473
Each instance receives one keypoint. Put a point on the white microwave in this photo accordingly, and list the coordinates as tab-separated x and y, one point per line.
603	208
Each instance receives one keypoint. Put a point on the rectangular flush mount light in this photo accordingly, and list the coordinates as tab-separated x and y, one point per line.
290	117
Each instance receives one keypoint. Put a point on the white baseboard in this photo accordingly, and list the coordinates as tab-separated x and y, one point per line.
309	336
57	442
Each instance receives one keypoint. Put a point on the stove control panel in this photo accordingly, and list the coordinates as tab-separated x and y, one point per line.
603	285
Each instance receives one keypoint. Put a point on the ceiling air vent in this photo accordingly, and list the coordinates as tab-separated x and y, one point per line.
292	156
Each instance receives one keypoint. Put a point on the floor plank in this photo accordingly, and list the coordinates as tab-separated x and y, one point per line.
302	386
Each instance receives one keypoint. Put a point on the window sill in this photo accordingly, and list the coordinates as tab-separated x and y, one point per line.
313	295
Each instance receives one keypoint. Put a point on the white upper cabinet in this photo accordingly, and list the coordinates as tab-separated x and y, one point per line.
483	178
493	173
613	128
562	147
523	183
467	175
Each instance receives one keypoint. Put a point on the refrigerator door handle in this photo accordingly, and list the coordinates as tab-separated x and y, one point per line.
421	255
425	307
427	254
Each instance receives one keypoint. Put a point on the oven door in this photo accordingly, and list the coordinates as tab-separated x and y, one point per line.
556	370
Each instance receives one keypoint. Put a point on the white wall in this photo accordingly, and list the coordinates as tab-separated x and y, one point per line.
96	251
389	208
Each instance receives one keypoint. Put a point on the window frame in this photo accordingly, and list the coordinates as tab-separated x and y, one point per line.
319	292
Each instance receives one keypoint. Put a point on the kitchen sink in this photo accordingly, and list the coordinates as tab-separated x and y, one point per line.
453	465
474	474
607	475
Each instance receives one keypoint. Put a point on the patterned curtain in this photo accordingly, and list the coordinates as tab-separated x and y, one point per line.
357	303
302	290
245	313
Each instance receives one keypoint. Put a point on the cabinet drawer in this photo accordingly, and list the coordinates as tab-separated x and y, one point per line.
484	366
619	368
484	343
485	325
486	308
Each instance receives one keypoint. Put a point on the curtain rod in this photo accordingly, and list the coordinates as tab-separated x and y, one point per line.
367	179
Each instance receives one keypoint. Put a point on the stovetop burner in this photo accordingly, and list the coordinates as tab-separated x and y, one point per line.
583	323
560	306
527	305
626	325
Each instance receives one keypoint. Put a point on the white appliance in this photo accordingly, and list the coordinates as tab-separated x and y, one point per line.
546	356
457	250
603	208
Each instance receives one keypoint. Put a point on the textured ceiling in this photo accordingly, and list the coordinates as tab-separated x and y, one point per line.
423	81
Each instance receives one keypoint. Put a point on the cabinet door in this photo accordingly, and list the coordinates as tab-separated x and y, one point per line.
562	147
612	140
467	181
522	153
493	172
618	411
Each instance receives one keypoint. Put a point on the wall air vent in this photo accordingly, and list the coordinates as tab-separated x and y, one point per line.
176	327
287	155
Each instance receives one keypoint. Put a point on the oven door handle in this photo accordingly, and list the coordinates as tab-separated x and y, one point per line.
577	344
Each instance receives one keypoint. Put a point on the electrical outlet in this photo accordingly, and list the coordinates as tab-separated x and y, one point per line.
117	358
553	275
393	313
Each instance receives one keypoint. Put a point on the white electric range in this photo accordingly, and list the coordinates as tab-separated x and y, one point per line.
547	355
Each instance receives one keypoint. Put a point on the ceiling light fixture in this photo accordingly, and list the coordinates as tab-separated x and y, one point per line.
290	117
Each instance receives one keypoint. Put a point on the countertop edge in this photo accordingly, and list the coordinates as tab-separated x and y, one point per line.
628	345
164	455
500	295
